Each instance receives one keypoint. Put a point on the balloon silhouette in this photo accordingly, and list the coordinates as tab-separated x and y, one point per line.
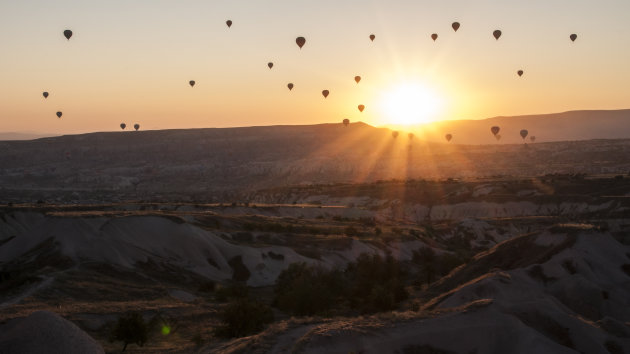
532	138
290	86
523	133
357	79
394	134
455	26
67	33
573	37
59	114
496	34
372	37
228	23
300	41
448	137
325	93
192	83
45	94
434	36
495	130
270	65
520	73
136	126
123	126
361	108
346	122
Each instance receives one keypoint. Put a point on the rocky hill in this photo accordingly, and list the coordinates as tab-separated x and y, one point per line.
218	164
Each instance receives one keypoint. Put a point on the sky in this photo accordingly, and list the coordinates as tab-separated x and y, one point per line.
131	61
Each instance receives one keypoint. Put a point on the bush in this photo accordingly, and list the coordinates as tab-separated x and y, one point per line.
307	290
371	284
243	317
130	328
231	292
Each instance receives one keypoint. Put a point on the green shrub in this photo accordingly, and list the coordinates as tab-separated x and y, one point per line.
243	317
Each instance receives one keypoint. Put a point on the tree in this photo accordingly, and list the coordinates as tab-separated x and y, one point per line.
243	317
130	328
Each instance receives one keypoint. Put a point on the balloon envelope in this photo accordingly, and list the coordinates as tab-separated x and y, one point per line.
520	73
59	114
455	26
270	65
361	108
346	122
573	37
290	86
123	126
228	23
192	83
448	137
372	37
357	79
523	133
45	94
394	134
496	34
325	93
300	41
434	36
67	33
495	130
532	138
136	126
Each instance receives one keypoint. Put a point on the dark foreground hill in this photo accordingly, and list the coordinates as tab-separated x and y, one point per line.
216	164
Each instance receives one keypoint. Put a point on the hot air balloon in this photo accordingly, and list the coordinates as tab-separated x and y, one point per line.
495	130
448	137
532	138
394	134
270	65
300	41
67	33
123	126
361	108
523	133
520	73
357	79
290	86
192	83
434	36
372	37
573	37
346	122
59	114
410	136
228	23
455	26
45	94
496	34
325	93
136	126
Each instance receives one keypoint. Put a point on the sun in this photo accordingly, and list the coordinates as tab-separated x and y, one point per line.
410	103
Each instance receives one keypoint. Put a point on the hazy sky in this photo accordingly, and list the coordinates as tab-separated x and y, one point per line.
131	60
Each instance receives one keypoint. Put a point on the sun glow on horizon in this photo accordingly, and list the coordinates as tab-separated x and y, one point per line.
411	103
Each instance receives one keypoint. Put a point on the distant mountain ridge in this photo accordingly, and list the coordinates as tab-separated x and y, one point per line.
565	126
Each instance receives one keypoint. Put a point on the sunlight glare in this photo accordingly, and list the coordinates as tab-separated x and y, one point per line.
410	103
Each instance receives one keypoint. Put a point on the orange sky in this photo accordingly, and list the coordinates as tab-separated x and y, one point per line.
131	61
